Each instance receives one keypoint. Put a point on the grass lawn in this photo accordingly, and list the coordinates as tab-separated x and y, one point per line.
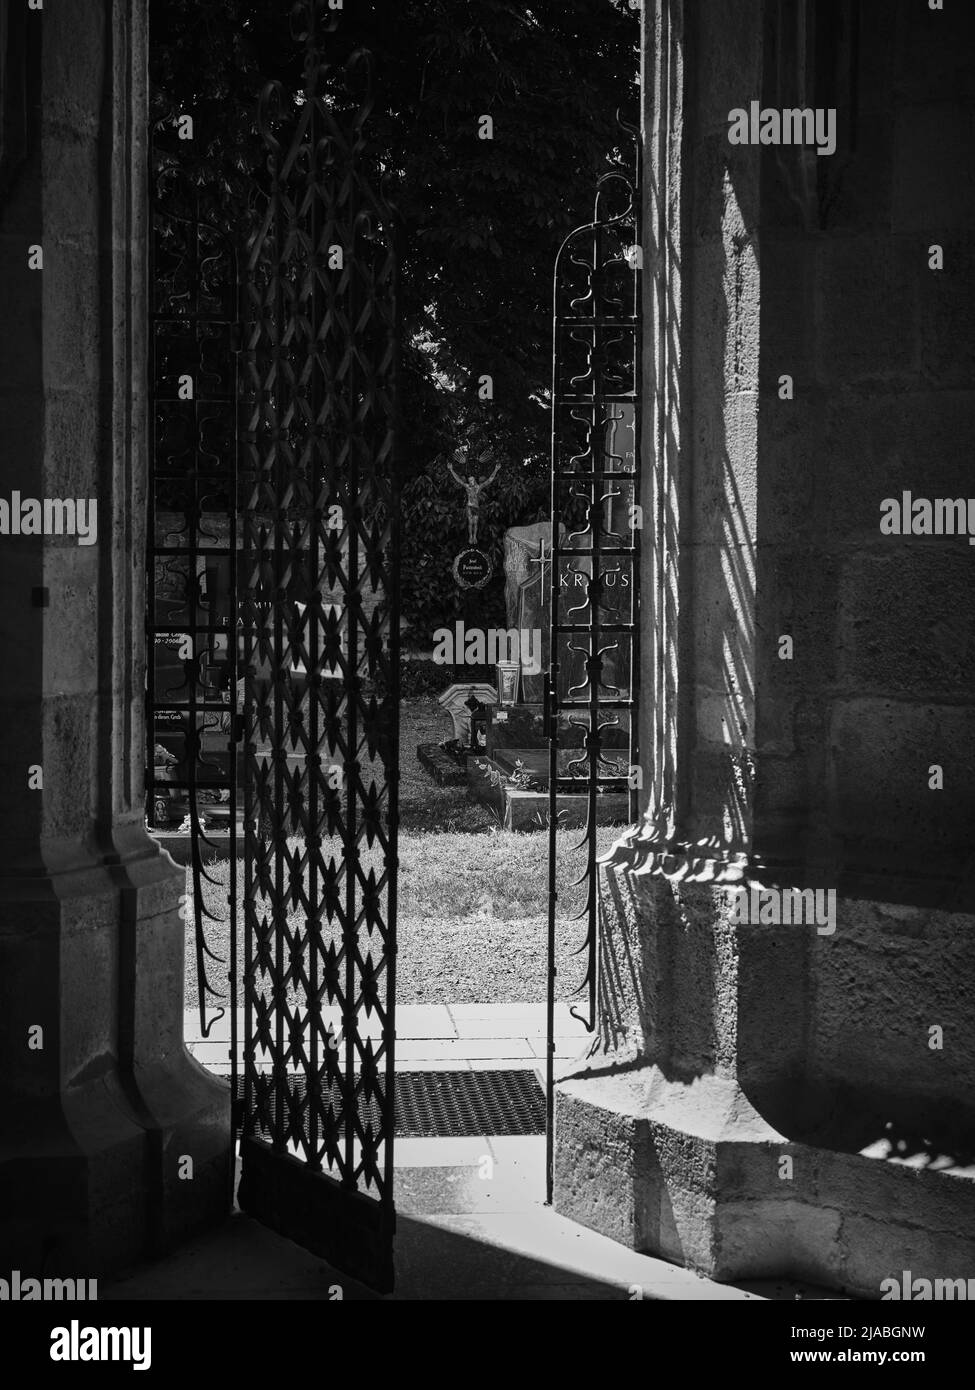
473	899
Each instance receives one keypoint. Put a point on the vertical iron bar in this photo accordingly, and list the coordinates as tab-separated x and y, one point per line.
276	823
350	1025
635	547
313	768
590	318
393	700
249	750
597	446
551	716
192	743
232	677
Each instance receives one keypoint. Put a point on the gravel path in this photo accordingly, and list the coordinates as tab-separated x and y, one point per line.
471	962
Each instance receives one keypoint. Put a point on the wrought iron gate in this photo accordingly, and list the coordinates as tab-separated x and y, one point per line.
596	518
191	580
272	565
320	631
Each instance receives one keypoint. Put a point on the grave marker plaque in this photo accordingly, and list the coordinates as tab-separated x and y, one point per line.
472	569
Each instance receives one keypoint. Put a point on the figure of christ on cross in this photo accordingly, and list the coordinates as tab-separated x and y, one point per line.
473	490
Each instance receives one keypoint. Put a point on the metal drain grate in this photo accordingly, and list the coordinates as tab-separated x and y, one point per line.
432	1103
442	1104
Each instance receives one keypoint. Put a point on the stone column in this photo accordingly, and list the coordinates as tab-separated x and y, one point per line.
660	1114
776	1100
114	1143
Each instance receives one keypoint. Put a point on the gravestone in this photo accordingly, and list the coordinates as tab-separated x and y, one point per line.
615	606
454	701
534	606
527	597
514	775
522	546
527	570
616	603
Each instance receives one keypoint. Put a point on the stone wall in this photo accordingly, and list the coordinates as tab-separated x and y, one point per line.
101	1104
881	349
882	684
817	767
728	1046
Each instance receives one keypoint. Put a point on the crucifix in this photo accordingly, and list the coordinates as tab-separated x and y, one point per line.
541	558
473	490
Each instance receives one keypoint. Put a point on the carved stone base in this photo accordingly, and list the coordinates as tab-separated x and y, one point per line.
115	1145
755	1109
684	1173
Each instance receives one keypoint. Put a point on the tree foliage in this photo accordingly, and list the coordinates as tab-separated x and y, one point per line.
479	220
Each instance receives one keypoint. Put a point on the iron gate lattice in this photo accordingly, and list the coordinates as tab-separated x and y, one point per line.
191	574
590	691
321	636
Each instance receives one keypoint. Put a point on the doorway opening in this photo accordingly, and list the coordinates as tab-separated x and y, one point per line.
393	584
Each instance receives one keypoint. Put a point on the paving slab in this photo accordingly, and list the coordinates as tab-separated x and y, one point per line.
463	1151
565	1048
215	1056
462	1049
518	1025
424	1021
449	1063
434	1191
431	1037
420	1021
572	1253
527	1009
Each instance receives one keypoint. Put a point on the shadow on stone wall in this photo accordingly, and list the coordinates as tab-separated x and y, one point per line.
829	1038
